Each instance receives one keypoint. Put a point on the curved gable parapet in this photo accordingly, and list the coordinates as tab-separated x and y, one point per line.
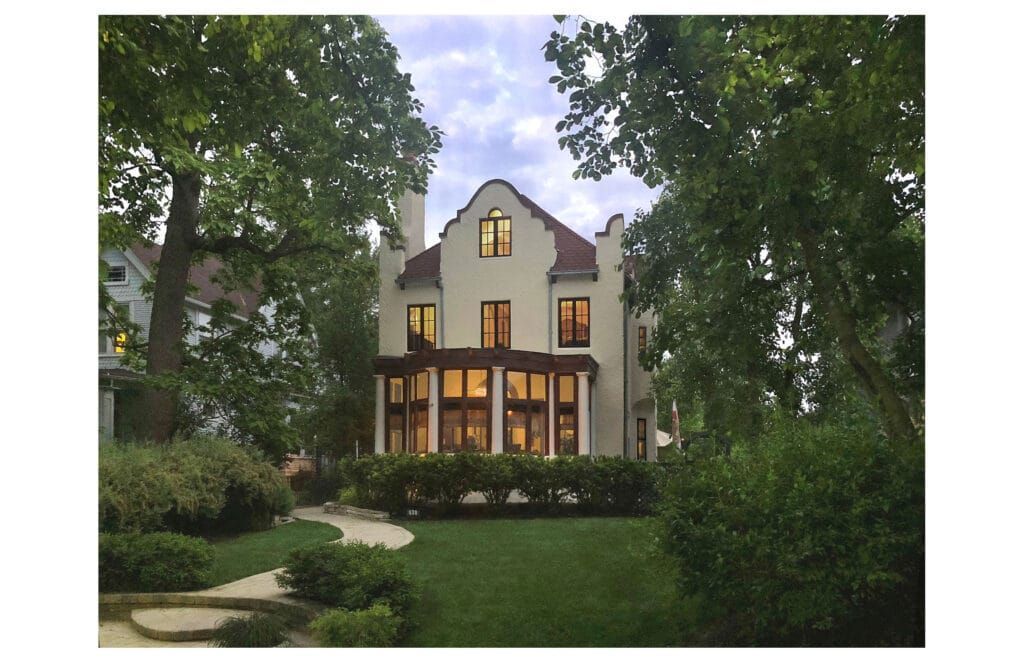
608	225
573	252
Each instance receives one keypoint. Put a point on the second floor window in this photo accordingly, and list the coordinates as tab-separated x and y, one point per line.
641	439
496	325
642	338
495	235
574	322
420	328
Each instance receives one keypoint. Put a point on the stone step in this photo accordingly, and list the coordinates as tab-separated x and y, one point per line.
181	624
345	509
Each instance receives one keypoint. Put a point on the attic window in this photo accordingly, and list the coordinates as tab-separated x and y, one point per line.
495	234
116	274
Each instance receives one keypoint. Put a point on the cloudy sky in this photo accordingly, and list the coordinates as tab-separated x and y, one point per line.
484	82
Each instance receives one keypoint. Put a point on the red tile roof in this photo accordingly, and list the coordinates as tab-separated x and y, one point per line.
573	253
202	277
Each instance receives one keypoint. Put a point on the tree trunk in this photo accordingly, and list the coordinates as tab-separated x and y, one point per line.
166	328
868	369
790	394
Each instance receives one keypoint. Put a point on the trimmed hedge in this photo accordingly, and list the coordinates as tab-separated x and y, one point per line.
194	486
352	576
156	562
605	485
377	626
811	536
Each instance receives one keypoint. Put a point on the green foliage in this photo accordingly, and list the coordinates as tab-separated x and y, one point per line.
247	554
155	562
377	626
255	630
497	477
384	481
791	225
278	138
813	535
541	481
352	576
191	486
447	478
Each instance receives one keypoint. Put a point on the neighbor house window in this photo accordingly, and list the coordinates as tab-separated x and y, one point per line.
496	325
641	439
116	274
574	322
120	342
526	418
464	410
495	235
418	395
395	423
642	338
421	326
566	412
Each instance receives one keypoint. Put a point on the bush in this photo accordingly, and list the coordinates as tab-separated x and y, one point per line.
496	478
377	626
813	535
353	576
325	486
447	478
157	562
542	481
629	487
255	630
194	486
384	481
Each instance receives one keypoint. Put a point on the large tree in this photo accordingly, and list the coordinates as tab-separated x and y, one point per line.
792	221
267	141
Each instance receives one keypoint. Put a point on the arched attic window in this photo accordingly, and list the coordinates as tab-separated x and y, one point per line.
495	234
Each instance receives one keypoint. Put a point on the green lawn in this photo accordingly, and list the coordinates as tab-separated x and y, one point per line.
540	582
256	552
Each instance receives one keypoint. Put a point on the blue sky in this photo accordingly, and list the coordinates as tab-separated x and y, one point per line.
484	82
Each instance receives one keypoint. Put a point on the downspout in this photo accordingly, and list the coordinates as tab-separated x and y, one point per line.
625	370
549	314
440	286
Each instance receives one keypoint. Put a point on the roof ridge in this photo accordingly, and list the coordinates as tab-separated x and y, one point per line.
555	220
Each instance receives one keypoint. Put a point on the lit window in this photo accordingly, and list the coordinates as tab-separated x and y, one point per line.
496	325
464	410
421	327
527	414
574	322
495	235
120	342
641	439
642	338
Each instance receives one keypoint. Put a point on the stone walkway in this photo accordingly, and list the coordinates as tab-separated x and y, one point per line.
264	585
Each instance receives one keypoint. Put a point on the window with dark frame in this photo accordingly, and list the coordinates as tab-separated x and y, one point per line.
495	235
464	410
496	325
641	439
574	322
420	327
394	433
566	412
418	409
642	338
526	416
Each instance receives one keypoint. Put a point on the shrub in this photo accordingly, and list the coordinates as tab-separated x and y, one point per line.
447	478
628	487
377	626
353	576
193	486
384	481
157	562
814	535
541	481
496	478
255	630
325	486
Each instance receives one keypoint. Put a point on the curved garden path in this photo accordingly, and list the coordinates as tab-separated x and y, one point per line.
264	585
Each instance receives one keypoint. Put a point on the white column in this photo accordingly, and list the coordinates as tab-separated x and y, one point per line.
433	411
498	410
552	419
583	412
378	422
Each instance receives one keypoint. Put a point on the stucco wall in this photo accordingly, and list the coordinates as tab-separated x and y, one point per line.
522	279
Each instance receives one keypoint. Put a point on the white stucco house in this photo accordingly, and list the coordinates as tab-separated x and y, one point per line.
127	271
510	336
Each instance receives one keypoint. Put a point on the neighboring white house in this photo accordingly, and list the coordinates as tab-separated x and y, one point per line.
127	271
510	336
